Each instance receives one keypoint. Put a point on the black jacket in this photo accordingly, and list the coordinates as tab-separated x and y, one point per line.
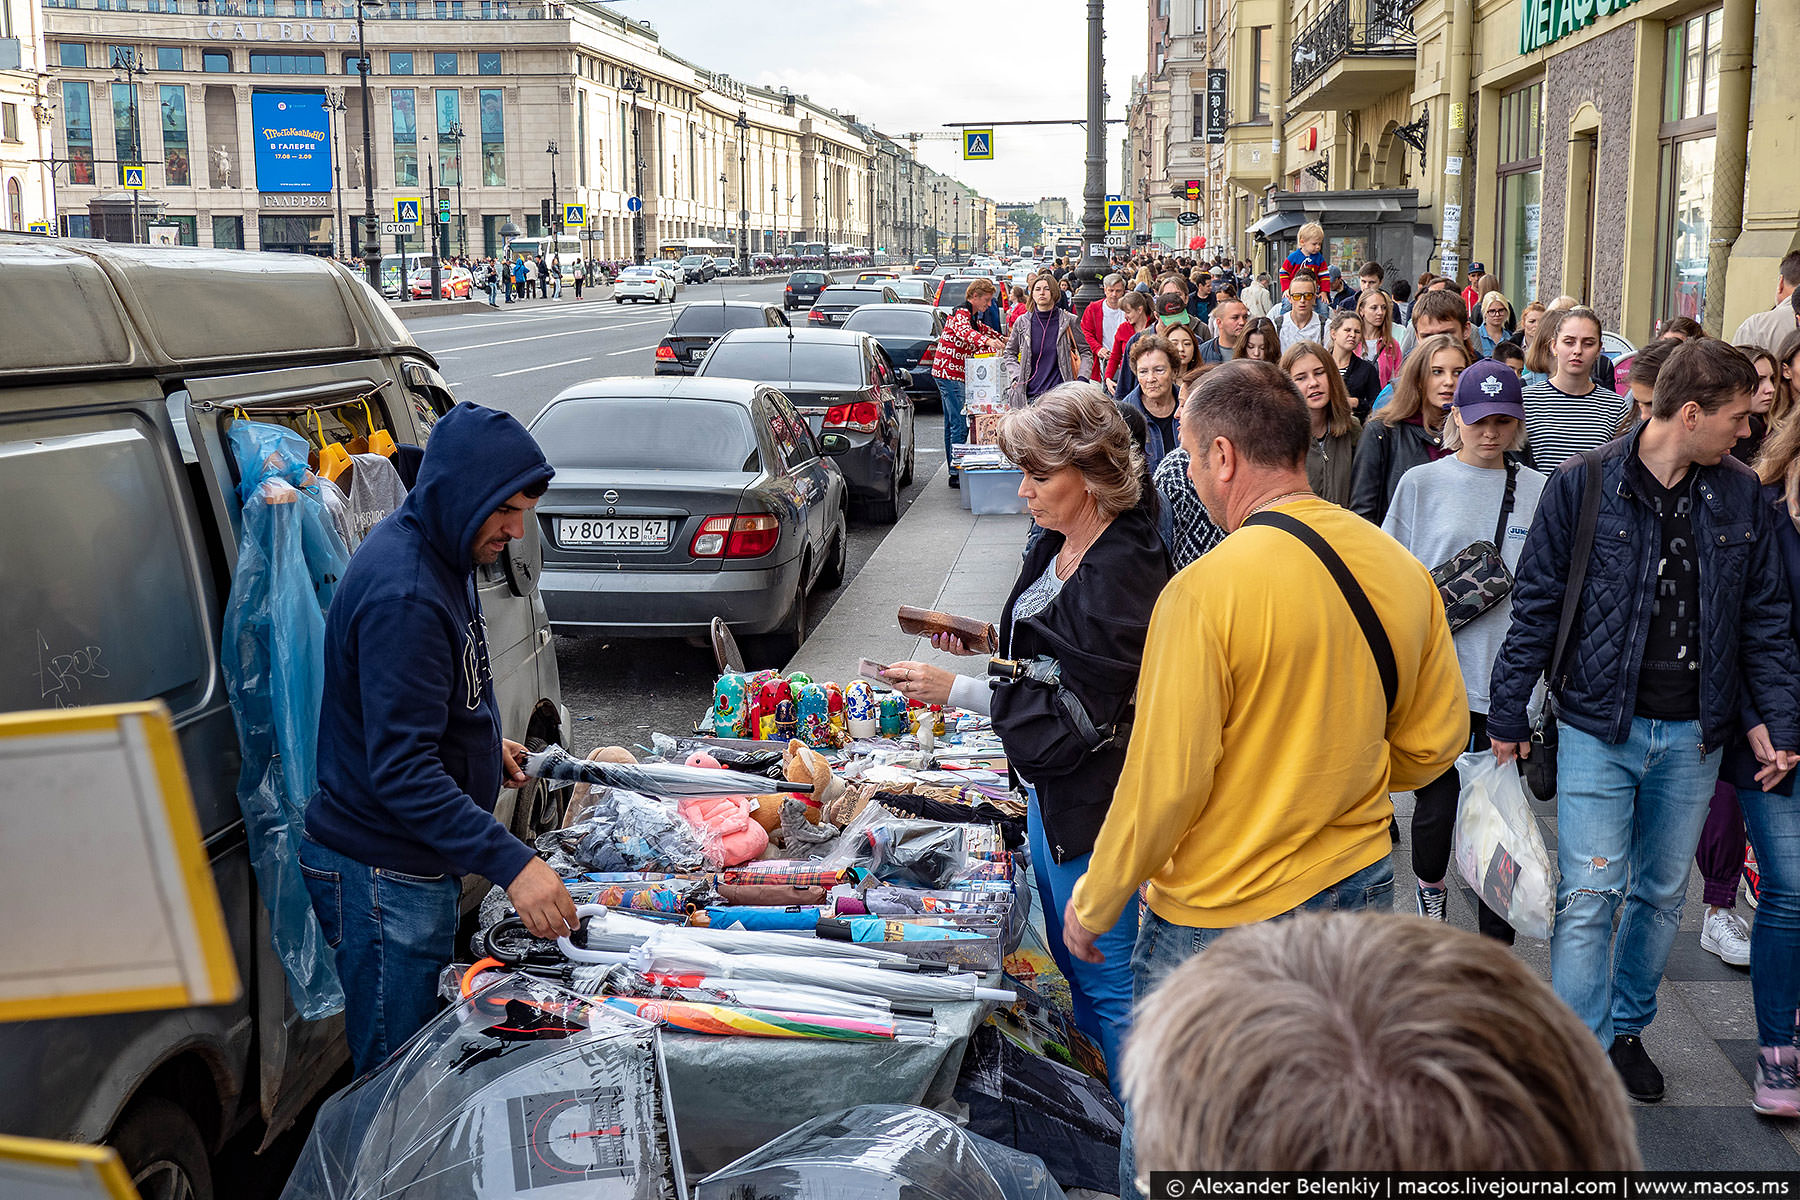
1095	628
1740	766
1385	453
1747	651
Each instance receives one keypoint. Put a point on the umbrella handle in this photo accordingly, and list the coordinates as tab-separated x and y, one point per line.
484	964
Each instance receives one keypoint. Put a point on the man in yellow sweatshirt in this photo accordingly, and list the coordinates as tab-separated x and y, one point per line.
1267	737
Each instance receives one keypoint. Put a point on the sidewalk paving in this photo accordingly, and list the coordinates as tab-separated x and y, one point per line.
1704	1037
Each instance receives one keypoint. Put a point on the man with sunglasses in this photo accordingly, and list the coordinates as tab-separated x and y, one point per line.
1303	322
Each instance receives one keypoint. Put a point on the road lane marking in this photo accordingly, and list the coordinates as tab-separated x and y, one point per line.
632	350
541	367
447	351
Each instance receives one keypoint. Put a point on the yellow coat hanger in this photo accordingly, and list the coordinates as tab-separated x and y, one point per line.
333	458
380	440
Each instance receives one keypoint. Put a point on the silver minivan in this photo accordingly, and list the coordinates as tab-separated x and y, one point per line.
120	369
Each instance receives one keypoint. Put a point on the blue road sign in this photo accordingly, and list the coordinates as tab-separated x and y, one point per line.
134	178
634	205
1118	216
1110	199
406	210
978	143
575	214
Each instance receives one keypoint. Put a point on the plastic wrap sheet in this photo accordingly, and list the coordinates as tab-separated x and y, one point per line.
290	559
722	1087
1037	1105
523	1090
625	831
904	850
883	1151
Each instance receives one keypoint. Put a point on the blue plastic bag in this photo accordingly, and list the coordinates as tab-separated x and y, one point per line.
290	559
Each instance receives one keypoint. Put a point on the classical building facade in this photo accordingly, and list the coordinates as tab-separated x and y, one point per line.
506	107
24	118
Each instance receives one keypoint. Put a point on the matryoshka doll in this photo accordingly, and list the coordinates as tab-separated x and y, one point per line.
861	719
731	706
787	721
815	716
798	680
893	711
762	711
834	705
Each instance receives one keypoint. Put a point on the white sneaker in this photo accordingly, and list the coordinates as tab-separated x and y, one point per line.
1723	933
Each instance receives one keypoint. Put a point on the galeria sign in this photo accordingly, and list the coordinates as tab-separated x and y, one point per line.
1544	21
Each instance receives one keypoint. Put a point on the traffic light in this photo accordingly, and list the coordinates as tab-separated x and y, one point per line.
547	217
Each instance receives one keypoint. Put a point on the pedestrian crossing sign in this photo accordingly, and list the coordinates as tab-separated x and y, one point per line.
39	227
406	210
1118	217
575	214
134	178
978	143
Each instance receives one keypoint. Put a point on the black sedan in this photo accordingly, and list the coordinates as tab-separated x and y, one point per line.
838	301
842	382
701	323
678	500
909	333
803	287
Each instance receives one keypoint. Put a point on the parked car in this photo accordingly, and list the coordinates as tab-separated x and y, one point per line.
909	333
651	283
842	382
725	266
679	500
836	302
950	293
803	287
120	374
915	289
454	283
700	324
698	268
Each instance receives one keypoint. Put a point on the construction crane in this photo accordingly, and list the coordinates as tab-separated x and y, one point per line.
929	135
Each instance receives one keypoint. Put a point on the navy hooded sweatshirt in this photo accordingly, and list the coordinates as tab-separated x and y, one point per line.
409	735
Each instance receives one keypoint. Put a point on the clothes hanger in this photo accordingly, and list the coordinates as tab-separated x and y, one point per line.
380	440
334	460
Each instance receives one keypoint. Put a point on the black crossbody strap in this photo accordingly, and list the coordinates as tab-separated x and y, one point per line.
1578	556
1377	637
1506	504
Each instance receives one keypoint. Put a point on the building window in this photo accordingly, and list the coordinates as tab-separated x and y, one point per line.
72	54
78	123
228	233
77	225
400	64
493	138
488	62
1684	188
15	205
218	62
188	227
1199	116
581	175
1262	83
168	58
9	122
406	137
443	64
287	64
124	128
353	65
175	134
449	155
1521	170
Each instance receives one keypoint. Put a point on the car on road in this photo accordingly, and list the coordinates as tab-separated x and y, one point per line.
651	283
701	323
909	334
725	266
836	302
925	266
915	289
878	276
951	292
679	500
698	268
842	382
803	287
454	283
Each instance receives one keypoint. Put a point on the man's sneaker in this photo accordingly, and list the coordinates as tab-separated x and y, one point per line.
1643	1082
1752	876
1777	1082
1433	903
1723	933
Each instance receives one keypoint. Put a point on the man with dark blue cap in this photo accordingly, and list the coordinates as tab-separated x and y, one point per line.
411	759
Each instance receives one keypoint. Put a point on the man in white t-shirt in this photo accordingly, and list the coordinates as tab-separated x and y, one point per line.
1303	322
1568	412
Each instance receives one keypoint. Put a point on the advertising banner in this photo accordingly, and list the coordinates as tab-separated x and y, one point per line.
292	140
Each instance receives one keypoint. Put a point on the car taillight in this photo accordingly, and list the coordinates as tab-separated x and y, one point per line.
788	288
665	353
864	417
815	315
736	537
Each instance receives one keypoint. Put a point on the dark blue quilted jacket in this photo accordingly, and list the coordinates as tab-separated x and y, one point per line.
1744	609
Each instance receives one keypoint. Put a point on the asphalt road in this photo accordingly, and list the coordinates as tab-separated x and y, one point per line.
518	358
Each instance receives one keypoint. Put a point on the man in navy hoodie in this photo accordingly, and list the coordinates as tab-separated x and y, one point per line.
411	759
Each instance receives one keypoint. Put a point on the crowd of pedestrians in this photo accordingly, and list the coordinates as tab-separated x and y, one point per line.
1308	455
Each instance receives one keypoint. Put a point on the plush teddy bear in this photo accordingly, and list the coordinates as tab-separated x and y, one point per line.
578	796
800	763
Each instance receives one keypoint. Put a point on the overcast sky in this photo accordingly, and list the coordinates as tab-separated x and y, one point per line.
911	65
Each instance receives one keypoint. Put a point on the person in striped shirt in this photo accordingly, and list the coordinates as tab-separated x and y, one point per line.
1568	412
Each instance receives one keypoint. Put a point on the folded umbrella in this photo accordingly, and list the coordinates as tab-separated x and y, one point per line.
670	956
652	779
750	1022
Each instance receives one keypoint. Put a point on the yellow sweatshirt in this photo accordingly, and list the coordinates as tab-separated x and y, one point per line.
1262	757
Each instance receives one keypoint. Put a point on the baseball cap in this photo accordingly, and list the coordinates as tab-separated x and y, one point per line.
1171	309
1478	268
1489	389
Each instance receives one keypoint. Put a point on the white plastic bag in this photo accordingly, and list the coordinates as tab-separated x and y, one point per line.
1499	849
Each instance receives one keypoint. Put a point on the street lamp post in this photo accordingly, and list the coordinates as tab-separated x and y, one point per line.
555	199
825	220
774	214
437	227
337	107
634	83
743	128
125	62
956	223
454	135
937	204
371	230
1093	223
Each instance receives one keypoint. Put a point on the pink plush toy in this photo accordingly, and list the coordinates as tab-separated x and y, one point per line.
727	832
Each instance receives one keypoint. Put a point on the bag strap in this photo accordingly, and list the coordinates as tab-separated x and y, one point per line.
1377	637
1583	549
1506	504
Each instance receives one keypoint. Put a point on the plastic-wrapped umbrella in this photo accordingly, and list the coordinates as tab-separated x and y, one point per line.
727	941
652	779
750	1022
669	956
523	1090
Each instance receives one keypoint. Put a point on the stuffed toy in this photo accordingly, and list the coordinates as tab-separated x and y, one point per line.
727	833
800	763
578	798
798	827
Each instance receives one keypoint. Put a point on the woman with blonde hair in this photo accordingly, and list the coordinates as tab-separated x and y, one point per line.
1335	430
1787	381
1539	362
1083	599
1407	431
1379	345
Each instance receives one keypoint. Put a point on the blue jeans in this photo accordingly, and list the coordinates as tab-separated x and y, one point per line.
1774	824
392	933
956	426
1102	991
1628	820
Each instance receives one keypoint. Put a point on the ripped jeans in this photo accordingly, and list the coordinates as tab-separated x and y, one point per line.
1628	819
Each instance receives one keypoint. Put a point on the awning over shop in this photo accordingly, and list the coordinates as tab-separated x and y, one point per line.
1278	223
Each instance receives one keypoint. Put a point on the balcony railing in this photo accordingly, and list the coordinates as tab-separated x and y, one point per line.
302	10
1386	28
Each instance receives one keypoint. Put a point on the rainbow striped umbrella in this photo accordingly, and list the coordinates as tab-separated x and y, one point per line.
749	1022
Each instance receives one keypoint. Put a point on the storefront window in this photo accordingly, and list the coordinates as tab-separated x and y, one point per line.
78	122
124	128
493	138
1690	117
1521	192
175	134
449	155
228	233
406	137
